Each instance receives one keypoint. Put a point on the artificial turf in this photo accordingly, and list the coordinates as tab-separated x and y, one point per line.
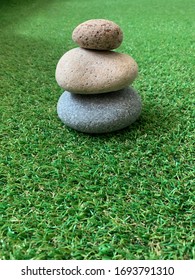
124	195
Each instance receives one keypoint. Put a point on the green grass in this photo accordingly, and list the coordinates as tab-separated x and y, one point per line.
124	195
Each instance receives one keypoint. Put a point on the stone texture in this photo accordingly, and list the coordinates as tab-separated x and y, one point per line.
99	113
90	72
98	34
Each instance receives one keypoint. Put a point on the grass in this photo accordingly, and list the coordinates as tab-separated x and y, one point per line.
124	195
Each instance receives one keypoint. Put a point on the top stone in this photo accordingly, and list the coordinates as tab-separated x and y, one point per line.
98	34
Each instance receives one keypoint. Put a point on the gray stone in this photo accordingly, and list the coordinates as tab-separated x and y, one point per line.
90	72
98	34
99	113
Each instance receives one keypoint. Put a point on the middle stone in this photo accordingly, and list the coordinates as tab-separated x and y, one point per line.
90	72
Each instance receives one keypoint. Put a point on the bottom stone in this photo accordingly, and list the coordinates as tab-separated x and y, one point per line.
99	113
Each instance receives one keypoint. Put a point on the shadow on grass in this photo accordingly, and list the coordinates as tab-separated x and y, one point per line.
12	11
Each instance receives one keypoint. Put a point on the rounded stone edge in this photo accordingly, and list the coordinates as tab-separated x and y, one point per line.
83	43
85	90
105	130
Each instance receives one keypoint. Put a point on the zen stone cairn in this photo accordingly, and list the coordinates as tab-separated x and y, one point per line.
98	97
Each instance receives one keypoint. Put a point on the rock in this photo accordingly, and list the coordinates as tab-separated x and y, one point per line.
98	34
99	113
89	71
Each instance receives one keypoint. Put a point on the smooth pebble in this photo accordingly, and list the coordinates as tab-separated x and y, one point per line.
90	72
99	113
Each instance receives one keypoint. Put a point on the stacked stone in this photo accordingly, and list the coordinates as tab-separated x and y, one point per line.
97	97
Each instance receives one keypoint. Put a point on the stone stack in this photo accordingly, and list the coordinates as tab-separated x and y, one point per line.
97	97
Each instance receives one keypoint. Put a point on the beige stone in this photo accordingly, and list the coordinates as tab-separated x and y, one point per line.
88	71
98	34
